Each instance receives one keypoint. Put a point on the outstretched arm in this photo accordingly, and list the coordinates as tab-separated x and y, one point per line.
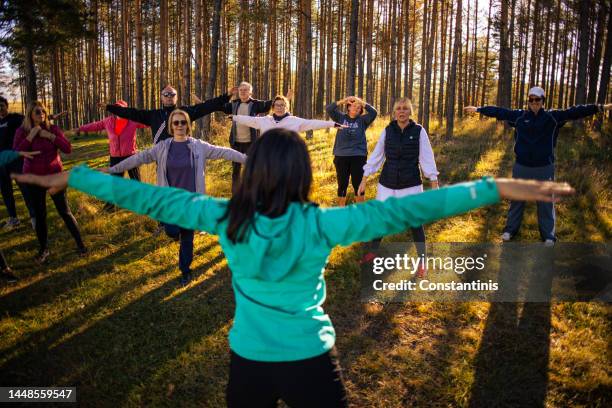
363	222
496	112
92	127
7	156
578	112
208	106
250	121
314	124
198	211
137	115
218	152
138	159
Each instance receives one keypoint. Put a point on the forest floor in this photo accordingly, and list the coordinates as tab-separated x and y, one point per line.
118	325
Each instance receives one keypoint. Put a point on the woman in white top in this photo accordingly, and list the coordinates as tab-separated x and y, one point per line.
406	152
281	118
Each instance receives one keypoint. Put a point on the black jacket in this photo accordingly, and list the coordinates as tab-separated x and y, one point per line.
156	118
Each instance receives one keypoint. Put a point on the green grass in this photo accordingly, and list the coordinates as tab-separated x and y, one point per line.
118	326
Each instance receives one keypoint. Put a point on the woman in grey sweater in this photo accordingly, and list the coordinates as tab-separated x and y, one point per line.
181	162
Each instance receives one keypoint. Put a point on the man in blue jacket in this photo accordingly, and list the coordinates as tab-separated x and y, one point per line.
535	139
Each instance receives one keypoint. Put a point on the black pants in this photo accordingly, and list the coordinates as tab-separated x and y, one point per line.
6	187
3	264
133	173
38	199
314	382
418	236
349	166
242	148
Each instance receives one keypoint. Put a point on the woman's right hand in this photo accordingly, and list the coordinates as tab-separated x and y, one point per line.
104	169
362	186
33	132
29	155
54	183
532	190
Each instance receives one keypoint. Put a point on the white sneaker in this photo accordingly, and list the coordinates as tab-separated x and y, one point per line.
506	237
549	243
11	223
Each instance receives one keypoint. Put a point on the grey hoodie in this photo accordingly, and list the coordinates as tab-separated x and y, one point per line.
200	152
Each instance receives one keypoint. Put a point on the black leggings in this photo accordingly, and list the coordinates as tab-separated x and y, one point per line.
133	173
349	166
38	200
313	382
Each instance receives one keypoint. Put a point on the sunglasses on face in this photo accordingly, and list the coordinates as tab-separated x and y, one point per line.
39	111
535	99
179	122
168	94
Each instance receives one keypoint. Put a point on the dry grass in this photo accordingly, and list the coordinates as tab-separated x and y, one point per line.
118	326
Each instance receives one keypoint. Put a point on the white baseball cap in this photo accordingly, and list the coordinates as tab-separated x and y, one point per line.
536	91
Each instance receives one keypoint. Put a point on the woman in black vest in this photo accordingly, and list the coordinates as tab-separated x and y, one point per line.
404	148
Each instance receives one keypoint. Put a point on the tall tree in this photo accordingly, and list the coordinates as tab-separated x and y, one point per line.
214	57
428	69
604	83
352	49
303	105
452	76
584	10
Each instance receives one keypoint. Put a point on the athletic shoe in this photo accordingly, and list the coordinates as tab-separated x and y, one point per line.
11	223
506	237
202	233
367	258
33	222
42	256
8	276
185	279
82	251
549	243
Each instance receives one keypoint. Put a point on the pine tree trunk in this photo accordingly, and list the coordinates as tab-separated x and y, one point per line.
452	77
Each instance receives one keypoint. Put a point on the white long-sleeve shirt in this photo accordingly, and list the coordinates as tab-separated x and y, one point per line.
426	157
264	123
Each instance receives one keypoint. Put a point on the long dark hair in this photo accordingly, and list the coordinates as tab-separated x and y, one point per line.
277	172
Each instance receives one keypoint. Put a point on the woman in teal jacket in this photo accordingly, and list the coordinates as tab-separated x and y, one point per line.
277	242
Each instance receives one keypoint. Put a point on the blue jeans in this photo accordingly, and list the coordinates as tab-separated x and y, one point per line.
186	248
546	211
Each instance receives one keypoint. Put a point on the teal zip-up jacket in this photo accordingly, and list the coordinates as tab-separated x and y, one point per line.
277	271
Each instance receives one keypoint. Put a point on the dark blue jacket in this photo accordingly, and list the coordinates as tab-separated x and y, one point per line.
351	141
535	136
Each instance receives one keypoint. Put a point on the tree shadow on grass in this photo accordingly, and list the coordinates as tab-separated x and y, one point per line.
107	359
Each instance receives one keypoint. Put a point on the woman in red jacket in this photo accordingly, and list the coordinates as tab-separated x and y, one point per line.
121	138
37	134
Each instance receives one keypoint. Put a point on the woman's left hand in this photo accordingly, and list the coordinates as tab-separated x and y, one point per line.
435	185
